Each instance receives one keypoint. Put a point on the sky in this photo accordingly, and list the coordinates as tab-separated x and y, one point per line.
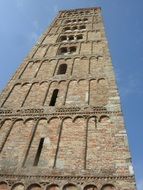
23	21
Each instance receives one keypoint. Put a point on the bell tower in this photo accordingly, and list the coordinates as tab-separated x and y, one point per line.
61	124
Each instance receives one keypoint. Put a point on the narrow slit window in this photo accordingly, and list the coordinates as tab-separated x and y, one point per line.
39	150
62	69
54	97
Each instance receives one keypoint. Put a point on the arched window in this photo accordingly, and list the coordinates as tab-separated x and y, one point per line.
75	13
68	14
62	69
74	20
87	12
72	49
63	38
74	28
79	37
85	19
63	50
54	97
81	12
67	29
71	37
68	21
82	27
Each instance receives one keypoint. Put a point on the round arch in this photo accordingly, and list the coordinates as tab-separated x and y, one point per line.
18	186
90	187
70	186
34	187
108	187
52	187
3	185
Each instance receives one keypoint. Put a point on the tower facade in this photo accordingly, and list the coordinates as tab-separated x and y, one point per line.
61	124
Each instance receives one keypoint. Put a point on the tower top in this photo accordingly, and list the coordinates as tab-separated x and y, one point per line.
80	9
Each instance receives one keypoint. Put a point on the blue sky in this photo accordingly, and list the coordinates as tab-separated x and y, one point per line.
23	21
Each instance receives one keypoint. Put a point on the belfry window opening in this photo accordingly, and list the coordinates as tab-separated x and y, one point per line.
67	50
62	69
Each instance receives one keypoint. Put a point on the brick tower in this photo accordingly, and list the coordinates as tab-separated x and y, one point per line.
61	124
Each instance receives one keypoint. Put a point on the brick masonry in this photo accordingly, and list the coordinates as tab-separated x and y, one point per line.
85	142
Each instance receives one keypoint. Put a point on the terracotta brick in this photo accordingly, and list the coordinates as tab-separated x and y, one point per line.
64	129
